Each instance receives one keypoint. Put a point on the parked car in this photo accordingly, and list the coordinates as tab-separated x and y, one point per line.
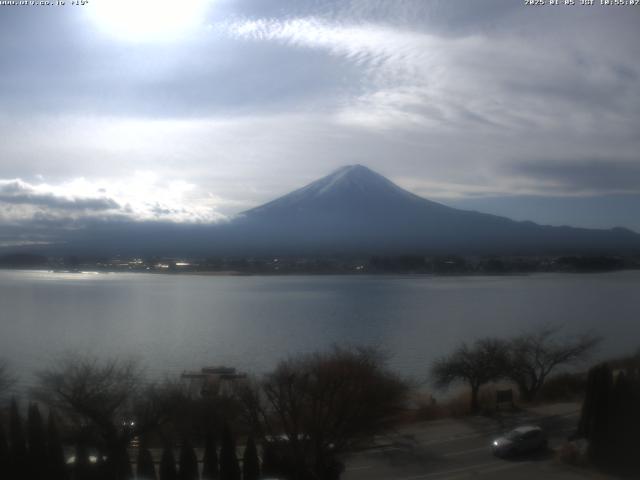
527	438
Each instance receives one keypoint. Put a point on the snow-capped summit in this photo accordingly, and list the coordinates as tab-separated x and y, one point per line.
353	177
347	189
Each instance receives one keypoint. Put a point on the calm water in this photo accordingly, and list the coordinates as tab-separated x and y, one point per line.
182	322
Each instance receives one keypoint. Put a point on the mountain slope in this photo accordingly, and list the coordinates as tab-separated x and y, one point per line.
357	210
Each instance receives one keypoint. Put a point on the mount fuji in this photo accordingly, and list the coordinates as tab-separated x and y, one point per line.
354	209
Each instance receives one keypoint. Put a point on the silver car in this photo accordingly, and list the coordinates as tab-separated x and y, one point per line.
527	438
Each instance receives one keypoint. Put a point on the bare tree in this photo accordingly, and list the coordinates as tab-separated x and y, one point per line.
533	356
111	397
476	365
323	404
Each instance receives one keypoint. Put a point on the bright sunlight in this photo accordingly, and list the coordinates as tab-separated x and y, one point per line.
148	20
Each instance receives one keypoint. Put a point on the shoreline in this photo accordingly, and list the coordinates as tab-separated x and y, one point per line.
237	273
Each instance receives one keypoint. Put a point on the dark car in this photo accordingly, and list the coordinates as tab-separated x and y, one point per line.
528	438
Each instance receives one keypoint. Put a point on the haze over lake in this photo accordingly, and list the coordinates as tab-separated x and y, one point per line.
176	322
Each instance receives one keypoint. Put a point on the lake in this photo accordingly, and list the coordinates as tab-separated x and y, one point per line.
176	322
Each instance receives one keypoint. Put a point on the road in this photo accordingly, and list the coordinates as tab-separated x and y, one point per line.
460	449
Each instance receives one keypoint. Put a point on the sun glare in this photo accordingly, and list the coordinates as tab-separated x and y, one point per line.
148	20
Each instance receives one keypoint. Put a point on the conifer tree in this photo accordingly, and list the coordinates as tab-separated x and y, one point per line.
210	469
18	455
270	463
82	470
623	424
118	465
229	467
56	465
168	465
4	454
188	462
597	424
250	462
588	404
610	416
145	469
37	443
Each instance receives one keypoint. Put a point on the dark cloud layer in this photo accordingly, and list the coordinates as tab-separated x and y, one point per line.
19	193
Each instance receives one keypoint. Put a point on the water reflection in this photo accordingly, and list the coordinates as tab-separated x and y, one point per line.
175	322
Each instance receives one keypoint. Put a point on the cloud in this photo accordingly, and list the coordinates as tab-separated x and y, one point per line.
141	197
21	193
449	99
583	176
418	79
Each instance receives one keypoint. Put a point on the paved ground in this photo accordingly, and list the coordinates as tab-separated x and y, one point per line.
460	449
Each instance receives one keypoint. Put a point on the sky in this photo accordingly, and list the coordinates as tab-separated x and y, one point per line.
193	111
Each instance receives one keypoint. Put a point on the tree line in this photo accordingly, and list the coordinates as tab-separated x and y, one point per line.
34	451
610	416
295	423
526	360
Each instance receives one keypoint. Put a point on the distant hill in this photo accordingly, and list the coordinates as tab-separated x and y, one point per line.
357	210
23	260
